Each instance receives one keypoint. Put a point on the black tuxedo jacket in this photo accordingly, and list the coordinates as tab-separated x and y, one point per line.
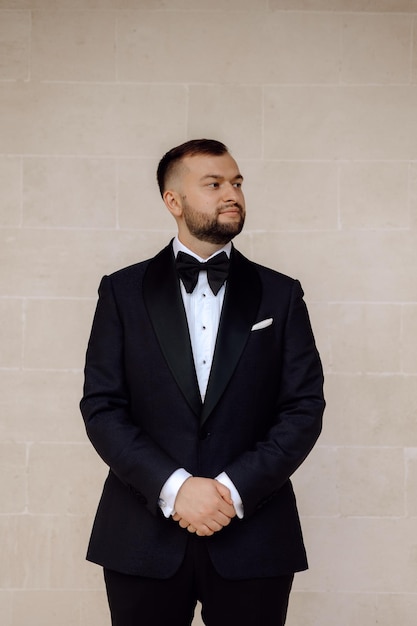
143	413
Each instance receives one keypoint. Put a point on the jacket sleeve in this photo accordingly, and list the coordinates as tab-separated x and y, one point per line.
129	452
260	472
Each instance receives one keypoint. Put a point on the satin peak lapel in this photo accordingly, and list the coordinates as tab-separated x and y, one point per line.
164	303
241	304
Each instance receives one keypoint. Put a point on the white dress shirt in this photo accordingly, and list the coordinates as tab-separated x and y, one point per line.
203	310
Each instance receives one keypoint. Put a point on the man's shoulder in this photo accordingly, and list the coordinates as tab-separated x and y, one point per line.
268	274
126	273
136	270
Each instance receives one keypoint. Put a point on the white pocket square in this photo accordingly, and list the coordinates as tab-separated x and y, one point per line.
263	324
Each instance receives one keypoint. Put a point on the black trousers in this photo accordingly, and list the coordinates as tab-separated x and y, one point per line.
138	601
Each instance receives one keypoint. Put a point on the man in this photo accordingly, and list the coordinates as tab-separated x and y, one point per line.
203	394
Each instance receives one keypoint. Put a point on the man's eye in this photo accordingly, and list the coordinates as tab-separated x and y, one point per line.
238	185
214	185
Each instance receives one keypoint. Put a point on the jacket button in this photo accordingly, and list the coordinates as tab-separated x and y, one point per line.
204	434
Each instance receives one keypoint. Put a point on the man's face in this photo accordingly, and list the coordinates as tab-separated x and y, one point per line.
212	201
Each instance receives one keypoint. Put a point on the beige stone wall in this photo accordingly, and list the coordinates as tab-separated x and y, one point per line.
317	100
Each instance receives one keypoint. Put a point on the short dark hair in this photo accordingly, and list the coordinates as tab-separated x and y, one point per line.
193	147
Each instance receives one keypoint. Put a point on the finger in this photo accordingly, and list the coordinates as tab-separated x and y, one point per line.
204	532
226	509
223	520
224	492
183	523
191	529
213	525
217	521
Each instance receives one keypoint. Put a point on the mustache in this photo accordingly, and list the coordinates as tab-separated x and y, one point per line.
227	207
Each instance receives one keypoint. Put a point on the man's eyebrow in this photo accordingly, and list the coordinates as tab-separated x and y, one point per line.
219	177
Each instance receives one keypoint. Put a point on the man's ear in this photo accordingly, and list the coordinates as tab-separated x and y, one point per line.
173	202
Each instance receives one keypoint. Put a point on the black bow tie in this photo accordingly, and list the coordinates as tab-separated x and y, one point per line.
188	268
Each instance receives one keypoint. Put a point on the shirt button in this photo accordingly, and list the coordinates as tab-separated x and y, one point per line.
203	327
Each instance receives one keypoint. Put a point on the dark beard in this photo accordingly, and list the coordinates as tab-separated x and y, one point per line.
209	230
219	234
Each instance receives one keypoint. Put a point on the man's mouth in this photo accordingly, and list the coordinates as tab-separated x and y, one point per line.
234	209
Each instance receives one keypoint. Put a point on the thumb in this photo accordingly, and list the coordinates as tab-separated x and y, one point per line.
224	492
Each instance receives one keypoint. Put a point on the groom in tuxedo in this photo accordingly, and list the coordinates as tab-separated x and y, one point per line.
203	394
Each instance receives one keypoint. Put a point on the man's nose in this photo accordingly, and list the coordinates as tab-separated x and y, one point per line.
231	193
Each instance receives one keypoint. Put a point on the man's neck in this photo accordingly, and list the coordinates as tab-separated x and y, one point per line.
178	244
204	249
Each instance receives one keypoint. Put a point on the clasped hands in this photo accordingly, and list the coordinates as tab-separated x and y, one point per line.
203	506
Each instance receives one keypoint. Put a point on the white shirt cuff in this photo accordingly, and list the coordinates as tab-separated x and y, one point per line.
237	500
170	489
